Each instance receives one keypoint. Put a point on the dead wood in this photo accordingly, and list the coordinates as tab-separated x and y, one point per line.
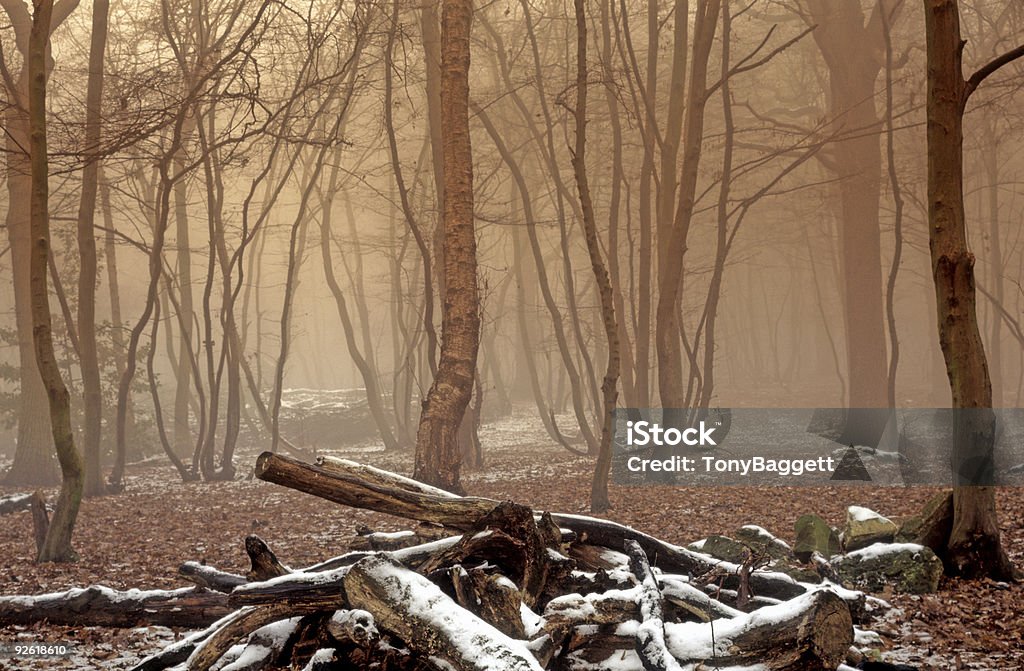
265	564
210	578
392	494
429	621
105	607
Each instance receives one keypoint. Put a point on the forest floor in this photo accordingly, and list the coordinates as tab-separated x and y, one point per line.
138	539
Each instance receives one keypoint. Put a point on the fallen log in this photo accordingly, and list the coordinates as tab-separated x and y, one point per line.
101	606
301	590
349	489
812	632
650	634
377	541
610	596
429	621
241	624
394	495
210	578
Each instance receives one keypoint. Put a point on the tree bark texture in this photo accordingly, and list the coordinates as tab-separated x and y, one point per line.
438	456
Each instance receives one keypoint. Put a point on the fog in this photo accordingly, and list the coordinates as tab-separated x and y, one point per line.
279	164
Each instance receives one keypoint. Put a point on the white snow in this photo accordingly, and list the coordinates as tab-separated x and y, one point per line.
693	640
358	619
863	638
413	484
861	514
112	595
474	640
555	555
321	656
675	586
532	622
248	657
877	550
504	582
577	606
297	578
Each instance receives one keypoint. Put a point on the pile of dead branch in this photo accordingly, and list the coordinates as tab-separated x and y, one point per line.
478	585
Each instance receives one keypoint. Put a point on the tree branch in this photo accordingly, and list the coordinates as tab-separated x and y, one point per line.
981	74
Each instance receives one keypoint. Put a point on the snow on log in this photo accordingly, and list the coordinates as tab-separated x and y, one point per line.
607	596
353	490
209	577
379	476
102	606
650	634
429	621
236	627
392	494
301	589
811	631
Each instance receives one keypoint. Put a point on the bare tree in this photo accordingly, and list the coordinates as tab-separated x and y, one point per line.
438	456
33	460
974	547
88	270
57	543
609	387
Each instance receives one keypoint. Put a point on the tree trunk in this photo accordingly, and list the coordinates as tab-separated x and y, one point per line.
609	387
429	21
668	329
849	44
437	451
974	547
366	369
57	546
88	271
33	456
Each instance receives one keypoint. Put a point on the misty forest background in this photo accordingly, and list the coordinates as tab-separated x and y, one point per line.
245	204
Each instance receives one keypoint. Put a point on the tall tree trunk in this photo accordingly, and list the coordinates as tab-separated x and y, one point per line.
437	451
996	262
113	288
850	44
645	290
367	370
429	20
57	545
974	547
87	273
614	205
182	376
707	389
668	329
897	198
33	456
609	387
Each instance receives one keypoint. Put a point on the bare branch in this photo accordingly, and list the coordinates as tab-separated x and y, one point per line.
982	73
